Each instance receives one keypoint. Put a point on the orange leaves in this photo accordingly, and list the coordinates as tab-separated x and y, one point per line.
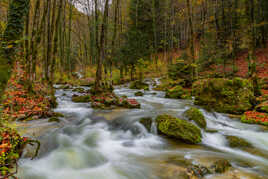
18	103
255	117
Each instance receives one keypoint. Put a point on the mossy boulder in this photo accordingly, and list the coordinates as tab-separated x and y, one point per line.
65	87
177	92
139	85
139	93
254	117
146	122
81	99
79	90
194	114
224	95
54	119
221	166
178	129
128	103
236	142
57	114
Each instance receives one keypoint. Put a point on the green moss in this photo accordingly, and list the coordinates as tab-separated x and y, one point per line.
177	92
81	99
196	115
139	93
146	122
139	85
79	90
179	129
236	142
224	95
54	119
57	114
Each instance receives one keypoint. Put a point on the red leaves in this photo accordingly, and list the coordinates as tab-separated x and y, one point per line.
255	117
18	102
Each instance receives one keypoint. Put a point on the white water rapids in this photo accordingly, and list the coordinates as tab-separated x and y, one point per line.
90	147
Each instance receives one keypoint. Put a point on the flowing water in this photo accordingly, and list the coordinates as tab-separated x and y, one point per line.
112	144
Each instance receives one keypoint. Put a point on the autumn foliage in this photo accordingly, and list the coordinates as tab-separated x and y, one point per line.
21	101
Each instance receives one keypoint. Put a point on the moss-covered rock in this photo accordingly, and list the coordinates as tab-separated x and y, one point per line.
146	122
224	95
139	93
178	129
54	119
178	92
57	114
194	114
128	103
221	166
236	142
81	99
65	87
254	117
79	90
139	85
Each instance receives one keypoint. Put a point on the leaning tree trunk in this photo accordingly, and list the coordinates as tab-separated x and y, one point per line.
13	32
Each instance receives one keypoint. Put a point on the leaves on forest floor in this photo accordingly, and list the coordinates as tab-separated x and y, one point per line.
21	103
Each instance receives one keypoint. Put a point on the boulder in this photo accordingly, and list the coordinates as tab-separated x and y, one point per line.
177	92
139	93
224	95
79	90
178	129
128	103
54	119
254	117
81	99
146	122
194	114
236	142
139	85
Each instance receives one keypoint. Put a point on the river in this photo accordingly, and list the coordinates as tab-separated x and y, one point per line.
112	144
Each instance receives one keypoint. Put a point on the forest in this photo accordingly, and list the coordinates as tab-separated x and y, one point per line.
133	89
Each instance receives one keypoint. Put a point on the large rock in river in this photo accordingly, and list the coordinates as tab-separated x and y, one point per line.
178	129
194	114
224	95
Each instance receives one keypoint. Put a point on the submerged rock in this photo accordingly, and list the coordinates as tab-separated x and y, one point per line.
194	114
139	85
178	129
198	171
146	122
139	93
236	142
81	99
221	166
224	95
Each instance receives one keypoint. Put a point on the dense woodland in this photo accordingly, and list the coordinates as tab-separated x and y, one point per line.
103	43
